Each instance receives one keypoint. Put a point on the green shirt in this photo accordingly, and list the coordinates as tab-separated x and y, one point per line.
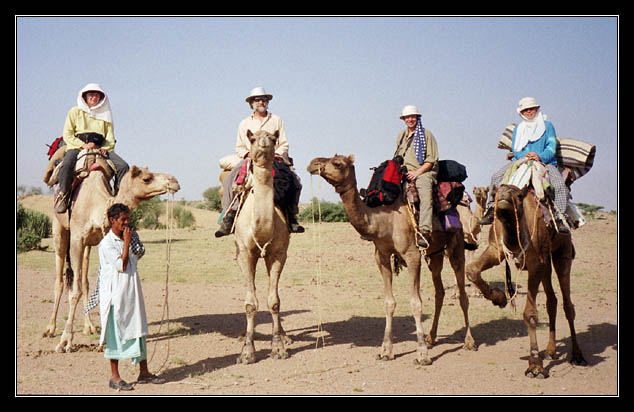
410	159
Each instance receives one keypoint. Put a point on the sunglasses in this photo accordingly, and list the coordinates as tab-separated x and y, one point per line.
260	99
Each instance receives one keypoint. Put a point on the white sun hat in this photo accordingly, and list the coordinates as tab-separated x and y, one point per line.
410	110
258	91
526	103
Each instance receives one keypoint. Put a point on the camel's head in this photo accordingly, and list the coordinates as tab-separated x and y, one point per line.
480	194
143	184
510	202
262	147
337	170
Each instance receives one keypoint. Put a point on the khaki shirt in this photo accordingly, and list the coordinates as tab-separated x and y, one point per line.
410	160
271	124
78	122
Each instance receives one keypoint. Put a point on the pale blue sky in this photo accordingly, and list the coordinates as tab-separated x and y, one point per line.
177	87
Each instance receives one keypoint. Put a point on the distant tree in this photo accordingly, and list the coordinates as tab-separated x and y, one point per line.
212	196
589	210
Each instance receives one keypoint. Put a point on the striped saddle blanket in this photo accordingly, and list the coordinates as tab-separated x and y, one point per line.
574	155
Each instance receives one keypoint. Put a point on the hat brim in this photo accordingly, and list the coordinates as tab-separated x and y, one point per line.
250	98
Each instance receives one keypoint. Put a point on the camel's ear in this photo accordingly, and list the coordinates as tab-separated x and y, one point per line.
523	192
277	134
135	171
351	158
250	135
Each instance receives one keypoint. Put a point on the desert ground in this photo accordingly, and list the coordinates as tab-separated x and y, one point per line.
332	307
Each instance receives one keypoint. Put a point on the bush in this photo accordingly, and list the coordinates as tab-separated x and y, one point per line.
31	227
213	198
146	215
184	218
330	212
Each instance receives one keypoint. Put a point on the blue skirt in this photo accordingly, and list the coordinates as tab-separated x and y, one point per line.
134	349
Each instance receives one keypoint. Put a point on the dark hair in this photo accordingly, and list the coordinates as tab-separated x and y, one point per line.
115	210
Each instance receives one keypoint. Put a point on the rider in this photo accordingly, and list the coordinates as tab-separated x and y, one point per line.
88	126
534	139
260	119
419	149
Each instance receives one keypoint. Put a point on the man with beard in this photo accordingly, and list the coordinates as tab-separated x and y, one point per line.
260	119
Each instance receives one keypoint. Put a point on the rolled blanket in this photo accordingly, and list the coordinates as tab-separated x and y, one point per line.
573	154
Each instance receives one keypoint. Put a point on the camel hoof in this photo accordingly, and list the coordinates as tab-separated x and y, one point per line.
279	355
535	373
470	346
245	360
498	298
422	362
48	333
578	360
384	357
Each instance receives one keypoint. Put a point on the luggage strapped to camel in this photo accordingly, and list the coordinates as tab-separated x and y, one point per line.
87	161
388	182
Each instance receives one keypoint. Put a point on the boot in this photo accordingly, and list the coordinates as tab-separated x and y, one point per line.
226	224
423	240
294	226
61	203
561	226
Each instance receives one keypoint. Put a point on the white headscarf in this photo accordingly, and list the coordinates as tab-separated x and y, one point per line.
529	130
102	110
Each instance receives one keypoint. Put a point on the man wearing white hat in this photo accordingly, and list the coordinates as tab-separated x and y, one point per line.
260	119
419	149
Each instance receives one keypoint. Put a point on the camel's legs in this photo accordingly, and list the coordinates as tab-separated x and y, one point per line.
457	261
551	308
384	264
435	264
274	268
413	266
489	258
88	325
247	262
76	258
60	237
562	268
535	363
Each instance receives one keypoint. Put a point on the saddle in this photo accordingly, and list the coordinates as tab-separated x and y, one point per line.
87	161
446	196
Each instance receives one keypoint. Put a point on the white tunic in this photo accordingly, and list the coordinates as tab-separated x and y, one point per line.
121	290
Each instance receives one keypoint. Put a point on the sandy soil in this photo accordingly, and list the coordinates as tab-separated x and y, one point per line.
334	351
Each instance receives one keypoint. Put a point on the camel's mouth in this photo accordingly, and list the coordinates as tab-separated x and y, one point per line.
315	167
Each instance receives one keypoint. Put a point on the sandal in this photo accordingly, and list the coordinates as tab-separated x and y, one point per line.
121	385
150	379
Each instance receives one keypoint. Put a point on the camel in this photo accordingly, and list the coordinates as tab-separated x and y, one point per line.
391	230
480	194
261	231
519	229
85	228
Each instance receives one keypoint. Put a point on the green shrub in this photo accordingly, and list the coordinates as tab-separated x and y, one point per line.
330	212
31	227
213	198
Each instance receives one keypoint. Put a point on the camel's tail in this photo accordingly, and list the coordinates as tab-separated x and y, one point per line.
69	270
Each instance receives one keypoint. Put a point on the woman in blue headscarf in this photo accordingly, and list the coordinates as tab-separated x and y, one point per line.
534	139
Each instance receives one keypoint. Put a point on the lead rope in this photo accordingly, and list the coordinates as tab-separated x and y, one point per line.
317	253
169	211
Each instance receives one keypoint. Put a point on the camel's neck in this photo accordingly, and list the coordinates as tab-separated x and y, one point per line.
355	208
263	206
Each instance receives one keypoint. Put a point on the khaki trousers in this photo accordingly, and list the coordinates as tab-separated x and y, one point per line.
424	185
